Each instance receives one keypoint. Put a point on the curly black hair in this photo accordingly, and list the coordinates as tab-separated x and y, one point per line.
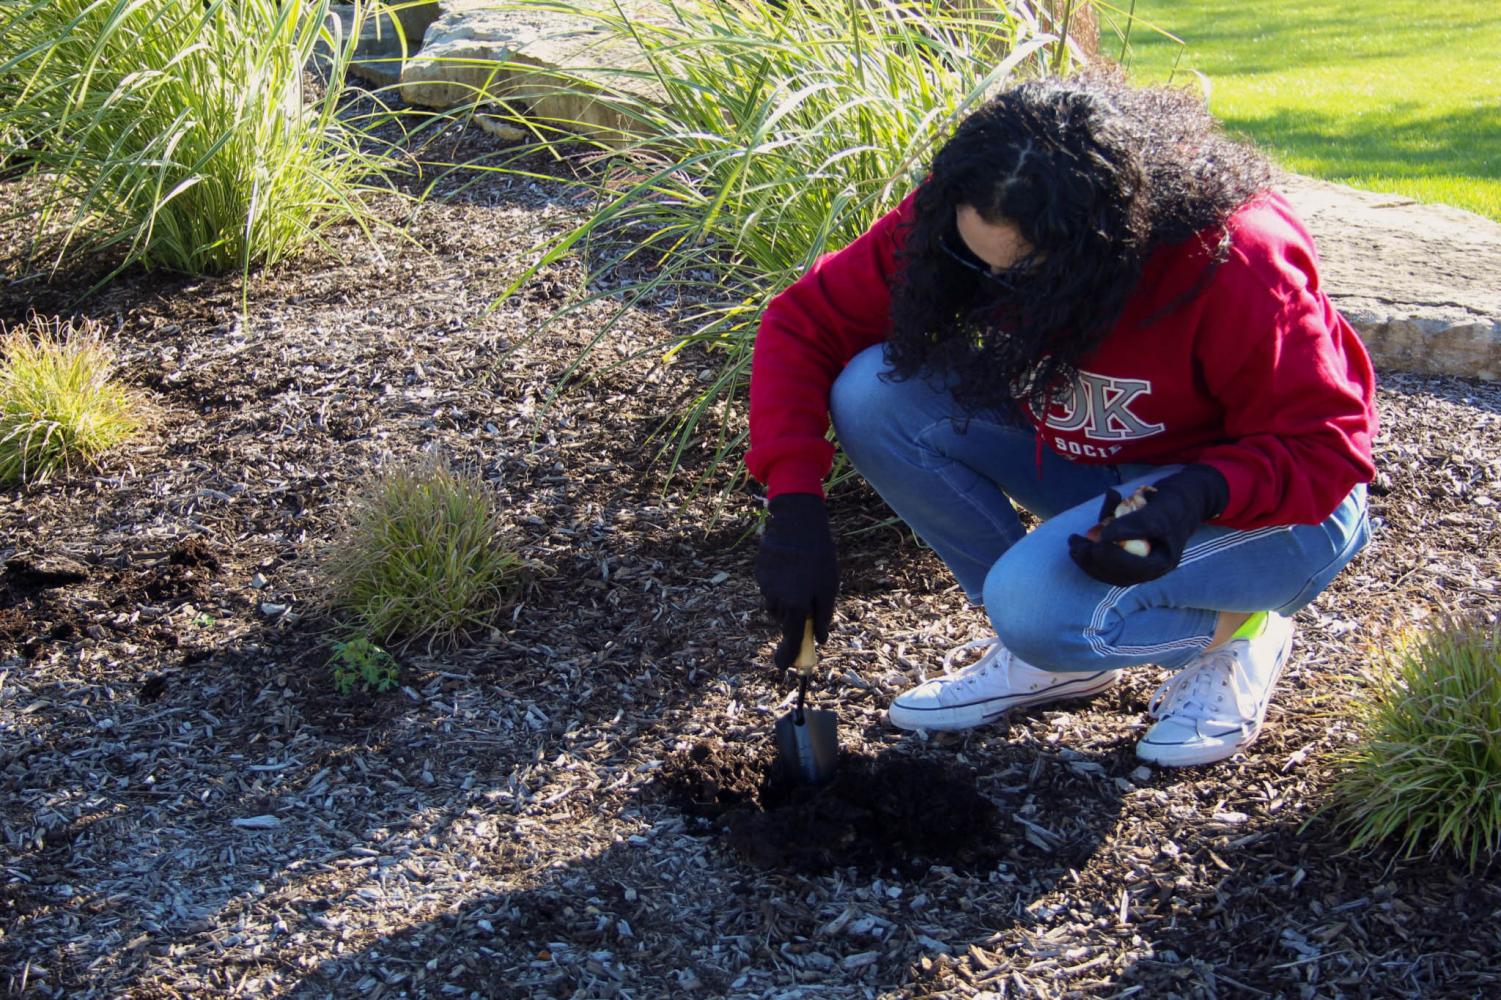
1096	174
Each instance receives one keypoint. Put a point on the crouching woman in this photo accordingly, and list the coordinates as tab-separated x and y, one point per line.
1092	291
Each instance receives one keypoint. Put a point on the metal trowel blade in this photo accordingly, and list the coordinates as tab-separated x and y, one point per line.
808	751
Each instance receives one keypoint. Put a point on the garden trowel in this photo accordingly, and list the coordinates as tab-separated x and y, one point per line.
807	738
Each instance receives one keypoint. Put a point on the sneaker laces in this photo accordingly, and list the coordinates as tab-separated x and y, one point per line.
1191	691
996	656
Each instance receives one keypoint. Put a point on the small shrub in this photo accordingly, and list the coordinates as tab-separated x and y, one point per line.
360	663
425	559
1427	768
58	403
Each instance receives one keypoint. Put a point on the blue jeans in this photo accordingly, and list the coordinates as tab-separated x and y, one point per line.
953	479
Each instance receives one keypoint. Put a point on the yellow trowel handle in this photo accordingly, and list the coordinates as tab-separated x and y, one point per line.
807	655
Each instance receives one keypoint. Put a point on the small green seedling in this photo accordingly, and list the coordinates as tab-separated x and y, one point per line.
360	663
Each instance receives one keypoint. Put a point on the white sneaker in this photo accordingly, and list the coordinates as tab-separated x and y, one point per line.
1215	705
988	688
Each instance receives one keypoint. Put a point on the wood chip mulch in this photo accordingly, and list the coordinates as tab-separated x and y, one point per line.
187	809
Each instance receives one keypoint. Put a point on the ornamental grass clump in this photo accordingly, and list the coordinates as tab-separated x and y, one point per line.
181	134
426	559
750	138
59	405
1426	771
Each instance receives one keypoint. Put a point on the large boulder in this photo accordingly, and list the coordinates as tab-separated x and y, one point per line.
389	35
473	56
467	51
1421	283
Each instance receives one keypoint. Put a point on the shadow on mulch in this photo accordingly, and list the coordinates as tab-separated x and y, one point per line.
655	915
1303	914
907	843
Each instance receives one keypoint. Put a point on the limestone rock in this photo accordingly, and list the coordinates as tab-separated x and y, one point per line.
500	128
387	38
1420	283
475	55
464	51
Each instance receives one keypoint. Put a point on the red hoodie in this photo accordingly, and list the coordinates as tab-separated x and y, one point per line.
1257	375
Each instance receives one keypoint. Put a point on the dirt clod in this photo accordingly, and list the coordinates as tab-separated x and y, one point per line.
14	624
194	552
876	813
153	687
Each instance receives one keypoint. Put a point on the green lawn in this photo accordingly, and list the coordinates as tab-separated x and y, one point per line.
1389	95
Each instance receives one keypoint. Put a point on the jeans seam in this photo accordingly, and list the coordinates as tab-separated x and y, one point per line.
1353	544
1212	547
1112	599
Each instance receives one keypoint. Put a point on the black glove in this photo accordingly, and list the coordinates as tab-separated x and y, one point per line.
1173	512
797	570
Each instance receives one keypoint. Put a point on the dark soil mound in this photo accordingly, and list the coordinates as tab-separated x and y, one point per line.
877	813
